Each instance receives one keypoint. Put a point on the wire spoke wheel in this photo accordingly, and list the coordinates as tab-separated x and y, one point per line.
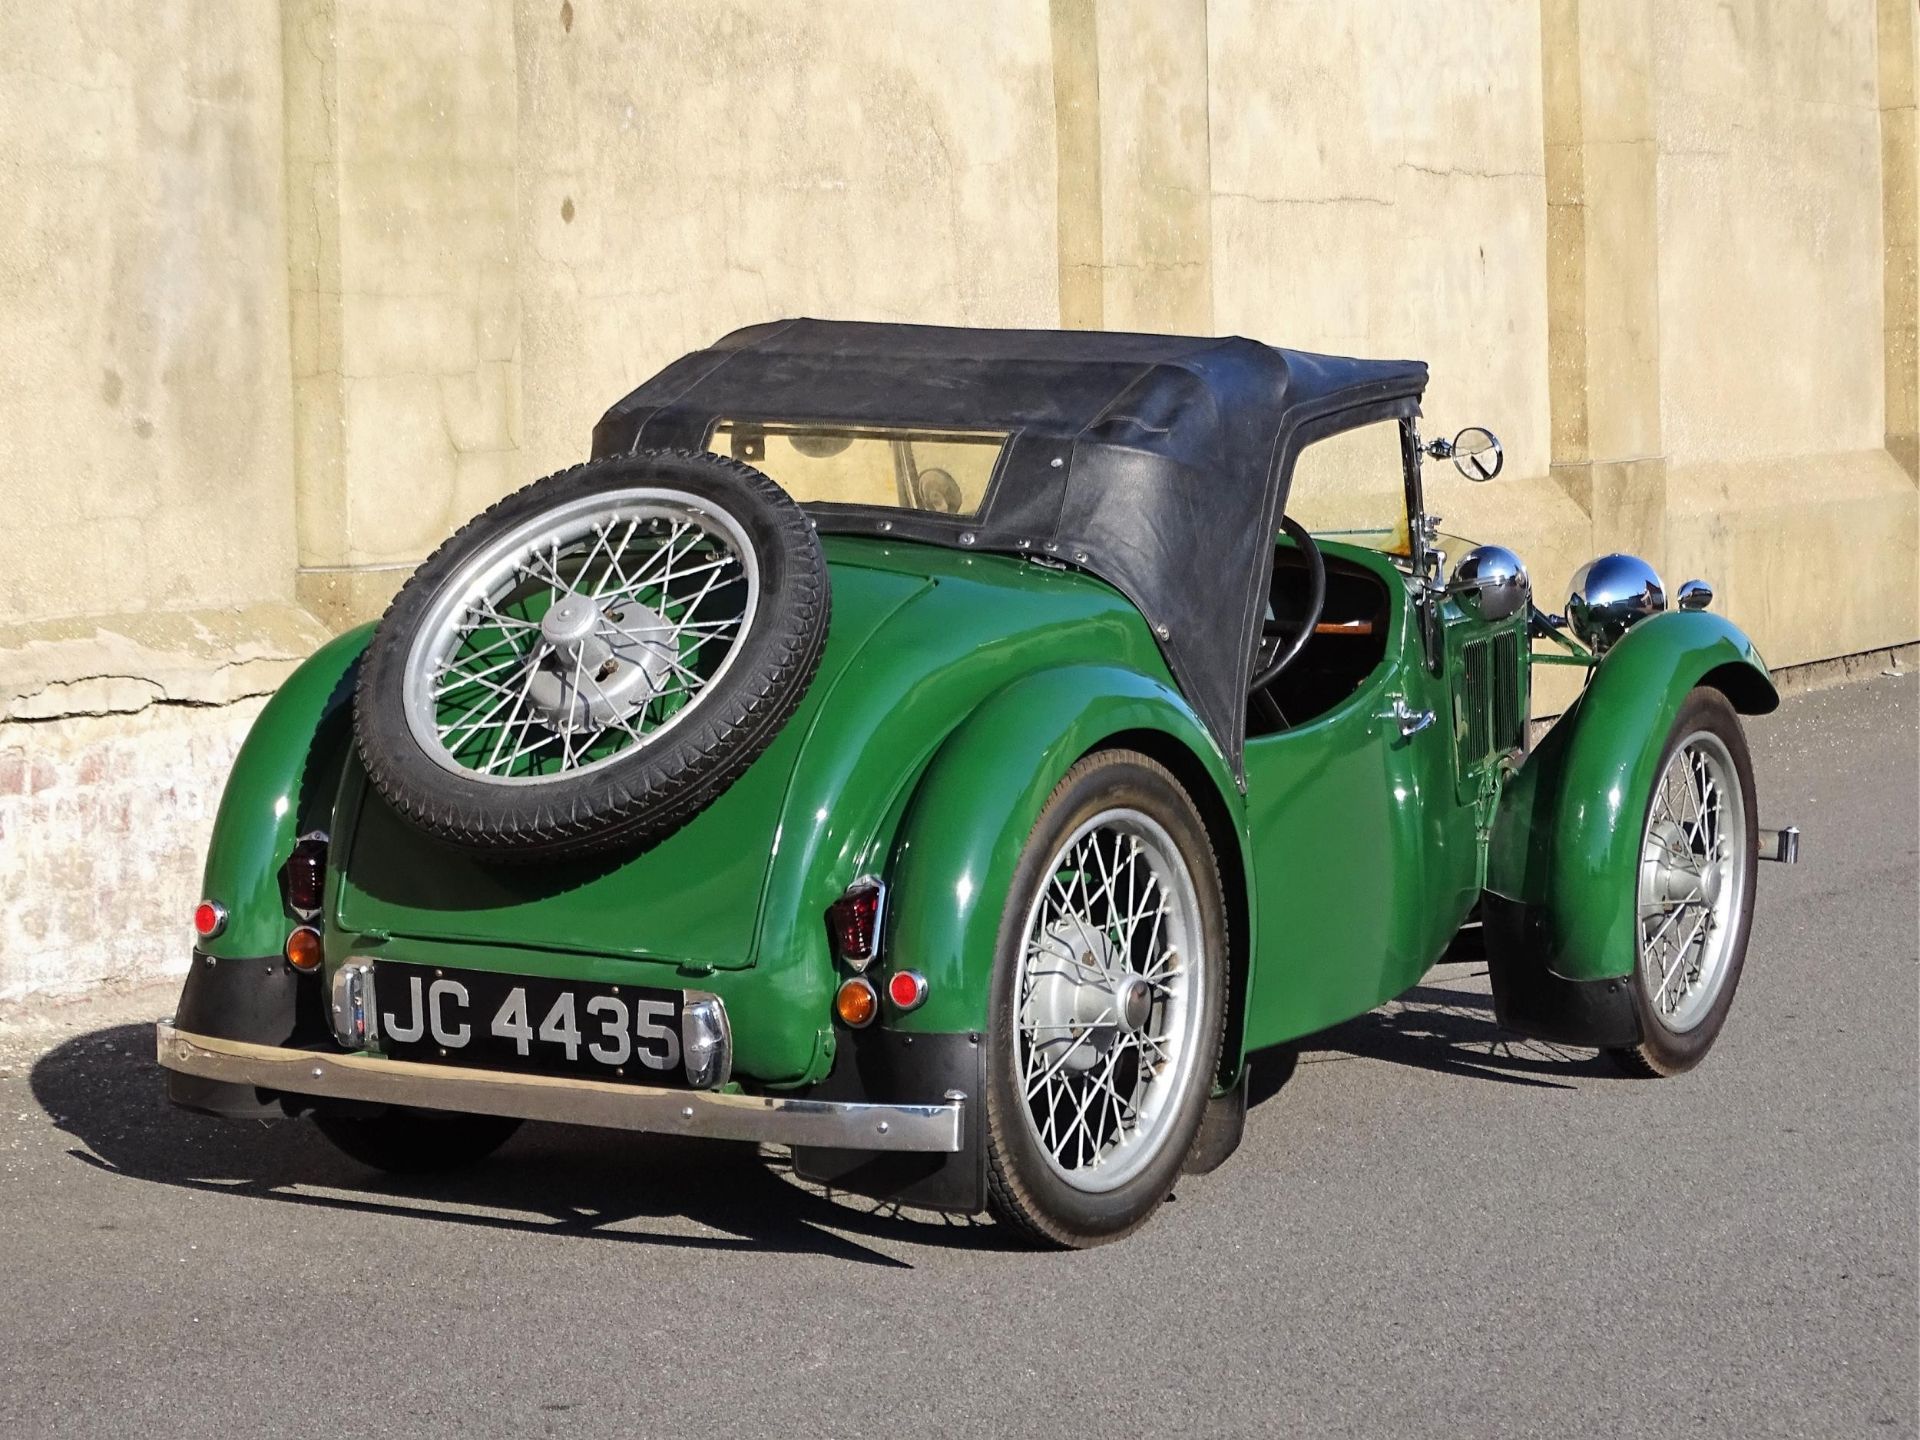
595	658
1108	999
1691	880
581	635
1693	889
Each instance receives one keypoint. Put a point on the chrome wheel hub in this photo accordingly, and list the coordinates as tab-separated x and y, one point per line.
1108	1014
600	670
1081	1009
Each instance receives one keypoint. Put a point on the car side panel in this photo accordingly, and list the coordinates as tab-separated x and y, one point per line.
1364	860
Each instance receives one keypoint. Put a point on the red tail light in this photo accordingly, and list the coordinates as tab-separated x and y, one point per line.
306	874
907	989
209	919
855	920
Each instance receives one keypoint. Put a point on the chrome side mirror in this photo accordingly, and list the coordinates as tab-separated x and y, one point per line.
1475	452
1490	583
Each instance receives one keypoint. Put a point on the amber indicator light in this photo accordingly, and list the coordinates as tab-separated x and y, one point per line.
303	949
856	1003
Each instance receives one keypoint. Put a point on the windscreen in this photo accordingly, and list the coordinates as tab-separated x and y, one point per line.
944	472
1350	487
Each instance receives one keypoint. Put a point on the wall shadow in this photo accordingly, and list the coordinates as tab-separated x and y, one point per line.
105	1089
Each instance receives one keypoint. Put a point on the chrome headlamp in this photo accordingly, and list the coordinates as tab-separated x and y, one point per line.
1609	595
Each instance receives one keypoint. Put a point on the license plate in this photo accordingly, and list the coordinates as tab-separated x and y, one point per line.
529	1023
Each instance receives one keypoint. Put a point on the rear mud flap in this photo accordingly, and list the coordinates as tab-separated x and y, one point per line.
889	1067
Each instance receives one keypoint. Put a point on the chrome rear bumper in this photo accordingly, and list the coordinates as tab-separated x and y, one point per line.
769	1119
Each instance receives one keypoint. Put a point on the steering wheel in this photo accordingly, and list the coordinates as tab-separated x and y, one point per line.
1286	650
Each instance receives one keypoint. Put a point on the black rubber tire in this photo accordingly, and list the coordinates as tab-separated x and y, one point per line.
643	796
417	1142
1663	1052
1023	1193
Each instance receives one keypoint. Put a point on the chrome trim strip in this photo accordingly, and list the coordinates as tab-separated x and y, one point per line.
768	1119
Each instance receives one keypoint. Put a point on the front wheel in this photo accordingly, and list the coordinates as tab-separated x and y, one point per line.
1695	889
1109	993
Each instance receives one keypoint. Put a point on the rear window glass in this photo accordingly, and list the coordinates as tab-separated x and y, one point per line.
944	472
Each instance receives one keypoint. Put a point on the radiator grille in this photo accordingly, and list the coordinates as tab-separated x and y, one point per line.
1492	699
1476	701
1509	694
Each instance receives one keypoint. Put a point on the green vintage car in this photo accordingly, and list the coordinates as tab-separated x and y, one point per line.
942	752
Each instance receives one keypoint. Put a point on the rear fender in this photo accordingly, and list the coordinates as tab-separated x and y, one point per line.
969	819
1563	859
282	783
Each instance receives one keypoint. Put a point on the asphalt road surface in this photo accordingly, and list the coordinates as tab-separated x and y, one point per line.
1432	1229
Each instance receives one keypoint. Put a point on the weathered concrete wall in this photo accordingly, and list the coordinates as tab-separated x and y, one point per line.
102	829
146	483
1771	325
687	168
292	289
143	300
403	246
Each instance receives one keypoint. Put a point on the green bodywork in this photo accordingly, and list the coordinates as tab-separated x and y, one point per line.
954	692
1568	839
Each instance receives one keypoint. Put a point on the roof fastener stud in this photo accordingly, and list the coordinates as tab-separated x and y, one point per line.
966	537
1056	462
1079	557
882	1127
1162	631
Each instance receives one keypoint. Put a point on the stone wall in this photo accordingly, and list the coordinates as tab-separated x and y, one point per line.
291	289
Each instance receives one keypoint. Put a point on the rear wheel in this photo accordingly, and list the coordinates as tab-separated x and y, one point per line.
1107	1006
417	1142
1695	889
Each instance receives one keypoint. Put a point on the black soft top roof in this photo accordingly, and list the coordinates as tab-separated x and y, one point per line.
1158	462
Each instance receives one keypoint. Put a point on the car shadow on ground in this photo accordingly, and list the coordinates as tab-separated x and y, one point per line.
105	1089
1444	1024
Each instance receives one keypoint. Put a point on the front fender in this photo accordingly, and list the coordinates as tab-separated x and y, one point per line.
1565	848
961	839
282	780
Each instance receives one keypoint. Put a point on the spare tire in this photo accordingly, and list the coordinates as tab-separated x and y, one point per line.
595	658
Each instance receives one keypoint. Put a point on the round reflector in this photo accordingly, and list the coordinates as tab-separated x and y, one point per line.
857	1003
209	919
303	949
907	989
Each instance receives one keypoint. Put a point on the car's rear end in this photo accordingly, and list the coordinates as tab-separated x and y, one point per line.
690	983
